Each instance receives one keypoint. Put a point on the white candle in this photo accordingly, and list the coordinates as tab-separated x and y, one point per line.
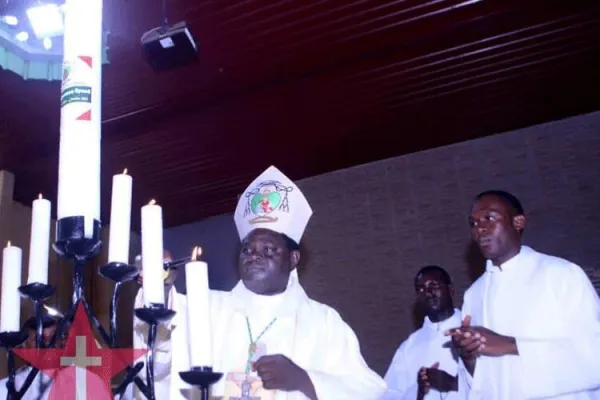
10	309
80	117
152	254
120	219
199	323
39	244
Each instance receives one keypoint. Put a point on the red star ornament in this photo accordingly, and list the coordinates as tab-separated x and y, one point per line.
81	369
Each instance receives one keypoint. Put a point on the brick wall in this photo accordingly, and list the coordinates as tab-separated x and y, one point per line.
374	225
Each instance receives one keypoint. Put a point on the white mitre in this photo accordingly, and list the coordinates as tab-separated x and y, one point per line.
272	201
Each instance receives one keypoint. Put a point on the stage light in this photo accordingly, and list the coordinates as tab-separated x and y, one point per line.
46	20
22	36
10	20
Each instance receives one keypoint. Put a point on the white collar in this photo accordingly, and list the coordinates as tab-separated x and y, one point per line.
451	322
519	258
286	303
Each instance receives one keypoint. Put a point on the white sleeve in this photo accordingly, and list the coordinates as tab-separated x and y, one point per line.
347	375
401	381
465	380
568	364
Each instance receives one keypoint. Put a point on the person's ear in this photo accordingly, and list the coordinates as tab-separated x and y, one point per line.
294	259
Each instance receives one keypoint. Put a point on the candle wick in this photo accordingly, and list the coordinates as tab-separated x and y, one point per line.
125	171
152	202
8	244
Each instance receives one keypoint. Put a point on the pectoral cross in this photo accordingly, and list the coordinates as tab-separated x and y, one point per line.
246	385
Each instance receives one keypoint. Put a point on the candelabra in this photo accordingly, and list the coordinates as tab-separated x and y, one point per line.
72	245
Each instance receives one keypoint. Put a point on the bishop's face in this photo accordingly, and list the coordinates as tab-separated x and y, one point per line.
265	262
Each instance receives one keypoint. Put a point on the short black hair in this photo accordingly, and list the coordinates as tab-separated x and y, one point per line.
428	269
509	199
290	243
47	322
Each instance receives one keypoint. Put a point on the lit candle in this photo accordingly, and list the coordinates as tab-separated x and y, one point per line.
39	244
80	113
199	324
120	219
152	254
10	309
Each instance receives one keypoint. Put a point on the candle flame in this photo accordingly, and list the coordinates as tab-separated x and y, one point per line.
8	244
196	253
40	196
152	202
125	171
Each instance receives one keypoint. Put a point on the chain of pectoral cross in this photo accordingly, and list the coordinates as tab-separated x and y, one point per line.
253	342
246	384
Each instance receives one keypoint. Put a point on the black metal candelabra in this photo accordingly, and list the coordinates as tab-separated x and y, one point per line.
72	244
203	377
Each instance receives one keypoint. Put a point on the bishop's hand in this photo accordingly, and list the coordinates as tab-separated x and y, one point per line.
278	372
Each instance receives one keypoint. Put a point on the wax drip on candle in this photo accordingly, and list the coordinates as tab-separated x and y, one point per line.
152	202
125	171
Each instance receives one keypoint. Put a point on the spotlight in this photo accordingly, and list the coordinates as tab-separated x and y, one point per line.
46	20
22	36
10	20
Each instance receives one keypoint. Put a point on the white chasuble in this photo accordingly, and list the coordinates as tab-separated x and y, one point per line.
552	310
423	348
311	334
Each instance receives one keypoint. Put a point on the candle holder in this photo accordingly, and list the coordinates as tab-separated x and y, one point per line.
152	315
37	293
203	377
10	341
72	244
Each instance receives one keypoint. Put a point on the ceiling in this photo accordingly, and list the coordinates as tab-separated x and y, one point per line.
310	86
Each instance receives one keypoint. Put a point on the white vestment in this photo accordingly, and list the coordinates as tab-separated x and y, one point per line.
34	392
552	310
162	350
311	334
423	348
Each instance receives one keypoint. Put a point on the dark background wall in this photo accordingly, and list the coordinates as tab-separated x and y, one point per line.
374	225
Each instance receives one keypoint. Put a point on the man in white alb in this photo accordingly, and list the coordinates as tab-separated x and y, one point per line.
39	387
271	341
424	366
162	350
531	327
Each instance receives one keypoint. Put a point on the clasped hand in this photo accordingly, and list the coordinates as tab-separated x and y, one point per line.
278	372
472	341
435	378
